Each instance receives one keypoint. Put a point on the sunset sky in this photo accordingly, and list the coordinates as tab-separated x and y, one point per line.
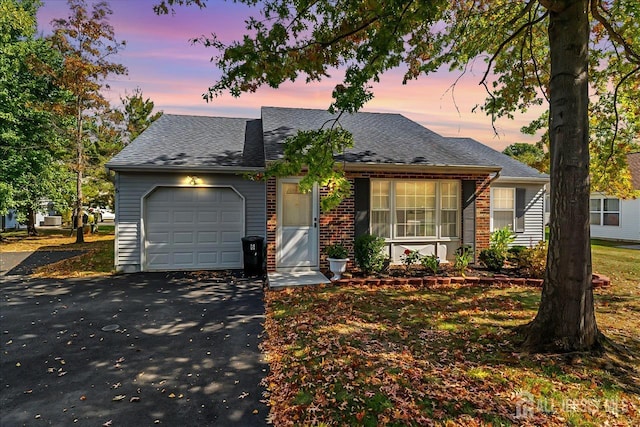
175	73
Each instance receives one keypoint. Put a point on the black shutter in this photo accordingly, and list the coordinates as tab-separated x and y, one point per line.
362	195
520	209
469	213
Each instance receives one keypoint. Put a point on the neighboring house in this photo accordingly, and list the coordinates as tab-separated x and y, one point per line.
614	218
183	199
10	219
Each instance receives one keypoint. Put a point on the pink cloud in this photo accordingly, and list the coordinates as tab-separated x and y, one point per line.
174	74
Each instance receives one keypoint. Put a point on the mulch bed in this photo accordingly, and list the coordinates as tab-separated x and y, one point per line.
399	276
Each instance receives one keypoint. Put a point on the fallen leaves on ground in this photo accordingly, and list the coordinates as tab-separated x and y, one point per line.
411	356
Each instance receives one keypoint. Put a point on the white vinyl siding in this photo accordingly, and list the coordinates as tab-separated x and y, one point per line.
533	230
629	222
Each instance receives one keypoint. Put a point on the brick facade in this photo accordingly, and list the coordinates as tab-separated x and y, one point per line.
483	213
272	221
339	224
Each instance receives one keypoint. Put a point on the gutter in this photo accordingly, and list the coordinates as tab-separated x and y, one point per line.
522	180
403	167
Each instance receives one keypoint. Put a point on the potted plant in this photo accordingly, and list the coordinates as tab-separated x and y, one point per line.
337	256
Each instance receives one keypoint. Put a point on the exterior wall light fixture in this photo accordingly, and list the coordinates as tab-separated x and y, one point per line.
193	180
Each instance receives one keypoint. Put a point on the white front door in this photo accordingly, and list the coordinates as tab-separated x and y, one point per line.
297	237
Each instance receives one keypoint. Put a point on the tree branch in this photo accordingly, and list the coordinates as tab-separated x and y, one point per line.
509	40
535	63
631	54
617	116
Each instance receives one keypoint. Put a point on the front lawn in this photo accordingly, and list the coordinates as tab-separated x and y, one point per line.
97	257
357	355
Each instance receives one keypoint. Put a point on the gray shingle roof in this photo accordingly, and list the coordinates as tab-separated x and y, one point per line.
220	143
176	141
378	138
511	168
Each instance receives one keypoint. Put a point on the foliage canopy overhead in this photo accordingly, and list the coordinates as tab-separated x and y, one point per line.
292	39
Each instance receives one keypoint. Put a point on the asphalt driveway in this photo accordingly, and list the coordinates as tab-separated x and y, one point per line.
177	349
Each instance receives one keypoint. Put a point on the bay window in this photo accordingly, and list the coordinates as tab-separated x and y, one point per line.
408	210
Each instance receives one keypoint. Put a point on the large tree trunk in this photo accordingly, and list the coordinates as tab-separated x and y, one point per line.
566	319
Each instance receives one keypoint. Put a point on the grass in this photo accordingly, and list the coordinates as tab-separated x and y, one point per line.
413	356
97	257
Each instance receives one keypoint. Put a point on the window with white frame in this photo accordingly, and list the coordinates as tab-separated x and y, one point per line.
503	208
604	211
380	209
404	209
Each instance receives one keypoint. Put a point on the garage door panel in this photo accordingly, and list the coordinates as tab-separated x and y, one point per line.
159	260
228	197
230	237
193	228
183	237
163	197
230	217
158	237
159	216
208	217
230	257
184	258
210	237
184	196
208	258
183	217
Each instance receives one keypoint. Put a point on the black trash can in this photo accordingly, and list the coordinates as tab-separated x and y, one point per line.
253	250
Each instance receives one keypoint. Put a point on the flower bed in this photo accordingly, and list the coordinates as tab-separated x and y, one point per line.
398	276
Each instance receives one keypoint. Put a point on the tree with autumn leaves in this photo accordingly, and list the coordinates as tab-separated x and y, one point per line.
535	52
54	119
86	41
30	147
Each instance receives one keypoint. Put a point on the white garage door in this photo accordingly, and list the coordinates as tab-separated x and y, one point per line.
193	228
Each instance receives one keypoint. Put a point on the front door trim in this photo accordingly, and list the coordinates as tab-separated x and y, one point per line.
314	229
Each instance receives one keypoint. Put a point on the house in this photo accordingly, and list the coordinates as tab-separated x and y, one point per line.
184	198
613	218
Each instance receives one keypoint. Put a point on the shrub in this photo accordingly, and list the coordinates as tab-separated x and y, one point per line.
368	253
532	261
409	258
514	252
501	239
336	251
463	257
430	263
492	259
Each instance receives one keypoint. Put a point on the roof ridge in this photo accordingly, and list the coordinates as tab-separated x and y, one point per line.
199	116
327	111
